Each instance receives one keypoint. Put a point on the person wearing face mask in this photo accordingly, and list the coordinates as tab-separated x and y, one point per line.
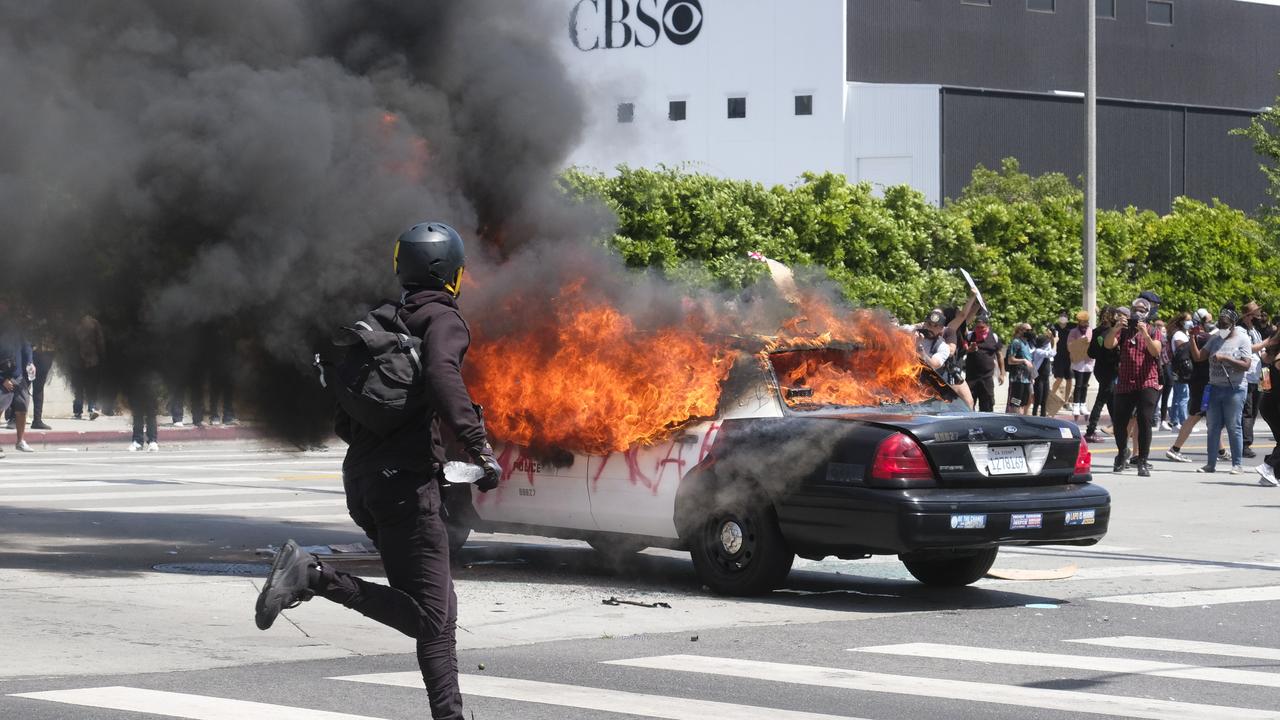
982	363
1019	361
1104	371
1229	354
1061	332
1198	335
1137	383
932	344
1250	319
1081	364
1180	370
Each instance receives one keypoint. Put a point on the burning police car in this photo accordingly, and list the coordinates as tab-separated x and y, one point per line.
815	450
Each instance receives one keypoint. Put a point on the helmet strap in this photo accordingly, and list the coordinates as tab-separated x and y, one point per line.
455	288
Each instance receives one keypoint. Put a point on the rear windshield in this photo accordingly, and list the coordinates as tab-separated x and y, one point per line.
825	378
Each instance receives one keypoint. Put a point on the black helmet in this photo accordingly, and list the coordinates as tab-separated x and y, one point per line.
429	256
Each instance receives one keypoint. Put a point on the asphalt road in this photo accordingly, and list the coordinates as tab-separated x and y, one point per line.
121	599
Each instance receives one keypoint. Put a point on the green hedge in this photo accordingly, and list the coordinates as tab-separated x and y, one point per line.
1019	236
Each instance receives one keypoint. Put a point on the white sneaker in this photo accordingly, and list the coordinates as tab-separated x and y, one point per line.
1268	475
153	446
22	446
135	447
1164	425
179	423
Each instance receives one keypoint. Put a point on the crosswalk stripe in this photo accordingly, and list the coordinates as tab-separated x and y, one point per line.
1194	647
130	494
182	705
1192	598
603	700
132	481
1111	572
1123	666
335	502
1045	698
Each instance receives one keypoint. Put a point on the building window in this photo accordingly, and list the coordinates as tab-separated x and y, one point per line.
804	104
676	110
626	112
1040	5
1106	9
737	108
1159	12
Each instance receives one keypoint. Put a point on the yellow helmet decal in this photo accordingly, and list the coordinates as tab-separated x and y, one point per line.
455	287
395	259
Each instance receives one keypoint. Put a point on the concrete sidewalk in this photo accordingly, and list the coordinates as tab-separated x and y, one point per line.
108	430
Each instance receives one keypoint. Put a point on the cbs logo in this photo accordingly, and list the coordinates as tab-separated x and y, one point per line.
614	24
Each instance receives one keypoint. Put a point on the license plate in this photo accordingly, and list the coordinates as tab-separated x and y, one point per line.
1080	517
1006	461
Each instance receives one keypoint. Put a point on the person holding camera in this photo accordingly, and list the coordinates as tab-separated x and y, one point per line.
1230	354
1137	388
1199	332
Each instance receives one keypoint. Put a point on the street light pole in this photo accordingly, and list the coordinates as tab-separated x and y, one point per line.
1091	167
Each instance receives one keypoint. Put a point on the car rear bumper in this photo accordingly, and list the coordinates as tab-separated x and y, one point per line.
853	521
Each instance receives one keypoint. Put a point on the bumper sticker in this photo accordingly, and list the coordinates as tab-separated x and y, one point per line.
1080	517
1065	432
968	522
1026	521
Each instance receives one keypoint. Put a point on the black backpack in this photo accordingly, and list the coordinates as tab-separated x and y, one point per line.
376	371
1181	363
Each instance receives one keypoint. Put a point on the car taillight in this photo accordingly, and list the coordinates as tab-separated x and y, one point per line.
899	458
1084	459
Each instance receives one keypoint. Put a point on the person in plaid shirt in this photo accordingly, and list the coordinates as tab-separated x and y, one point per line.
1137	388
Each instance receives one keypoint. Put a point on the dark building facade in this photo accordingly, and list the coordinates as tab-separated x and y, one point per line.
1174	77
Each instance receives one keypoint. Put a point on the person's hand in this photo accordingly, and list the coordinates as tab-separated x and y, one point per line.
1000	380
1144	330
8	385
489	464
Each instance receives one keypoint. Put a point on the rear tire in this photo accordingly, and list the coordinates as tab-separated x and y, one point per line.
952	569
739	551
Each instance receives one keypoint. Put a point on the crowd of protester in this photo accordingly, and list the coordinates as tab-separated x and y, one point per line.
1152	369
201	377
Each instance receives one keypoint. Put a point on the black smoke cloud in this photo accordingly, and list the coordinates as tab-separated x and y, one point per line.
205	176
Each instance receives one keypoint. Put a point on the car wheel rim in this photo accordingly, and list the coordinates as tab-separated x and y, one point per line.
732	543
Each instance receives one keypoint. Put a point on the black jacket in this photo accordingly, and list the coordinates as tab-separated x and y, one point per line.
417	447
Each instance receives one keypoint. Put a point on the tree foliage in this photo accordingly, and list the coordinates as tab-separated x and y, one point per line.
1018	235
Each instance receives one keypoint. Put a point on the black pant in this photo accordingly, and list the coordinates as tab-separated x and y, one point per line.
85	381
44	363
1080	392
1039	389
400	512
142	403
983	388
1250	412
1143	403
1269	408
1103	400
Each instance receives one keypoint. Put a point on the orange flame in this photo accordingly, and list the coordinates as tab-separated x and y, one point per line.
872	361
585	379
590	382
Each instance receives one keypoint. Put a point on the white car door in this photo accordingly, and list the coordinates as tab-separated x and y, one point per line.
635	491
535	492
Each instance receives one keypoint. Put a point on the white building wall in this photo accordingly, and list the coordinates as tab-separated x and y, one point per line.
895	136
765	50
